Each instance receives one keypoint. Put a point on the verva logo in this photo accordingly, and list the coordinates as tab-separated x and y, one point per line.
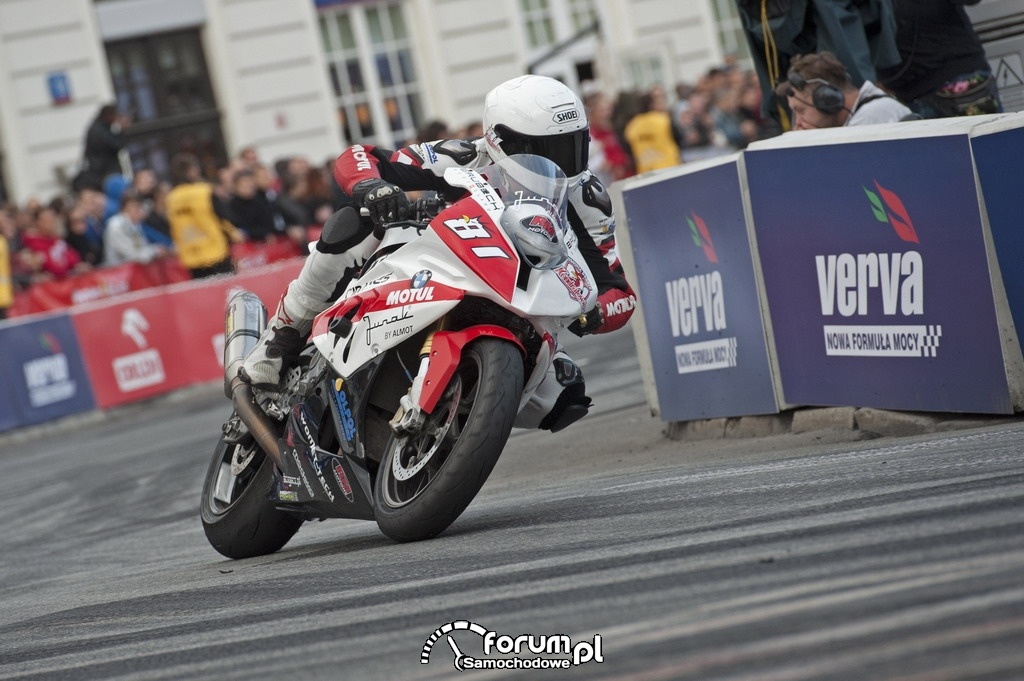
888	208
48	378
702	237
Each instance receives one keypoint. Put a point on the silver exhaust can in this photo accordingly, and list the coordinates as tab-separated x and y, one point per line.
244	323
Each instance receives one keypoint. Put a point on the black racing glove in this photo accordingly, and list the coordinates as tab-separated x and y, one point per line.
385	202
588	323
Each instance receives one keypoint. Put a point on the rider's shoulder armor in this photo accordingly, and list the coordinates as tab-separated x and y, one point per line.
593	204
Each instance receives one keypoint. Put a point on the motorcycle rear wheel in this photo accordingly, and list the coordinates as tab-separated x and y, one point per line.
426	481
238	519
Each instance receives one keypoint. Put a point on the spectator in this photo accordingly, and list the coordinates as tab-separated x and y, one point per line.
653	139
45	237
250	209
754	124
153	192
200	225
125	240
25	264
104	140
113	188
472	130
89	250
432	131
726	113
701	139
608	160
821	95
944	71
93	203
155	225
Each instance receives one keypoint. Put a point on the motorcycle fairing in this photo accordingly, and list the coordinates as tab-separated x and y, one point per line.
474	237
356	329
317	478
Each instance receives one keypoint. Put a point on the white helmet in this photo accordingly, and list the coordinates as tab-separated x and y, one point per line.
537	115
536	235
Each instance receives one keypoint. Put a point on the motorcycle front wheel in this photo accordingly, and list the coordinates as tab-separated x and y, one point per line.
426	481
238	519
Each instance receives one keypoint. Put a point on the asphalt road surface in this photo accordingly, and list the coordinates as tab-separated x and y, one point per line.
781	558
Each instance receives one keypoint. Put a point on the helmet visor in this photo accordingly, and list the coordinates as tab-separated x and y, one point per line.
569	150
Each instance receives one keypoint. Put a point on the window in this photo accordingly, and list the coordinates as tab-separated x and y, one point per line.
369	59
582	13
730	29
162	81
538	22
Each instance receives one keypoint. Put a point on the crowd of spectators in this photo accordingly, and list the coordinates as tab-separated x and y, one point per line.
717	114
125	219
118	219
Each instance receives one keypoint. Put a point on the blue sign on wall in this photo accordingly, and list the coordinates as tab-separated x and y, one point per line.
876	275
699	295
47	374
60	87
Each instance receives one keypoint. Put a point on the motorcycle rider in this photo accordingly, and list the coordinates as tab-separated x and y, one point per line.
528	114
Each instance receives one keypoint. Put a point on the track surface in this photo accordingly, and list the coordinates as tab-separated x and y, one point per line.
782	558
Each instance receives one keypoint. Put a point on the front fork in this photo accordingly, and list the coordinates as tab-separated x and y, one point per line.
410	417
439	358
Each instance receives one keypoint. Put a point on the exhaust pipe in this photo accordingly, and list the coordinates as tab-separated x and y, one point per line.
244	323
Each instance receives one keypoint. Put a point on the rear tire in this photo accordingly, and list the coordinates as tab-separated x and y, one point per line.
239	520
425	482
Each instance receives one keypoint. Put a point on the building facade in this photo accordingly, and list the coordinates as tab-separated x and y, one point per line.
305	77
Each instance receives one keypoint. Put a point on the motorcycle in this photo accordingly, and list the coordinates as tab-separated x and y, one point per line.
412	381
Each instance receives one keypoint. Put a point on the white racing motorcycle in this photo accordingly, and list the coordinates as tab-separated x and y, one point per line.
405	397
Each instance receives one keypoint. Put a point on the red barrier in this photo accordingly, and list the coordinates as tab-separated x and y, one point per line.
108	282
152	342
130	348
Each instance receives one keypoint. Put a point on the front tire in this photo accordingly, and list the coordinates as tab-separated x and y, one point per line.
239	520
426	481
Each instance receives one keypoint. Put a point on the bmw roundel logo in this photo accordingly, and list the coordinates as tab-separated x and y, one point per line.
420	279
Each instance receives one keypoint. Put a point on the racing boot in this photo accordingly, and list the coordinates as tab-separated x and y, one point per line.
278	348
560	399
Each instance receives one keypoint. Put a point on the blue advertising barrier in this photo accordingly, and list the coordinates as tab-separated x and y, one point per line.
9	415
873	251
998	149
43	369
694	274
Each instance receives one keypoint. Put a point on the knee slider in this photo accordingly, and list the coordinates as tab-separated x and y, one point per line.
343	231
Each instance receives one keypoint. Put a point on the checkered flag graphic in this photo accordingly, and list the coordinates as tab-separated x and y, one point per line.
930	341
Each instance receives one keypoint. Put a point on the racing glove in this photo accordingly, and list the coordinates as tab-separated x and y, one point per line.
614	308
385	202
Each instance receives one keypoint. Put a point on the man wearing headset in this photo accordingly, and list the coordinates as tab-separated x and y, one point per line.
820	94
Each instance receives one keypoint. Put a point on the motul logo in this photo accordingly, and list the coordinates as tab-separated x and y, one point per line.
411	295
566	116
620	306
359	154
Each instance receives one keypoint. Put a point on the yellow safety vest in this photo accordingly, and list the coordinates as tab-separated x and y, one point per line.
650	138
6	283
200	236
